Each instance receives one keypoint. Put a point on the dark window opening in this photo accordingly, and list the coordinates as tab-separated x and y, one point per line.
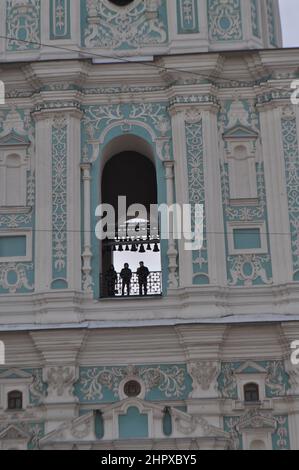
251	393
15	400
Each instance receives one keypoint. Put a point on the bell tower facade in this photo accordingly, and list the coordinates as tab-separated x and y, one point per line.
135	27
167	102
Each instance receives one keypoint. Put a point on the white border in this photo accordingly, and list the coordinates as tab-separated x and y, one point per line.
243	226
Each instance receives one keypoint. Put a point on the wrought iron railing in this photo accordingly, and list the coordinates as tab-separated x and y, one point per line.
110	290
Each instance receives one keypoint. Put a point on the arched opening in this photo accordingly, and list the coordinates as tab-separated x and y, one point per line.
131	261
15	400
251	393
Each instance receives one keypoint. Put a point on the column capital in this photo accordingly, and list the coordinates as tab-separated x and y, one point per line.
169	167
185	107
86	169
52	110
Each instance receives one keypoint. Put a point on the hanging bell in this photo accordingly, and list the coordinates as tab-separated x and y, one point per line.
149	248
142	250
127	248
120	248
156	248
134	248
114	247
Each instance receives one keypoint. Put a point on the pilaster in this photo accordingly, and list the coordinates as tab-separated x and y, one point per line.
181	187
43	226
278	218
213	202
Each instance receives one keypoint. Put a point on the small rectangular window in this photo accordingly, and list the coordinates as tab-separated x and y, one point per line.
247	239
12	246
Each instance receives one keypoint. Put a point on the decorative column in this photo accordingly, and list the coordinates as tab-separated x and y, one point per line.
43	224
74	199
276	188
172	252
213	199
58	217
87	253
181	186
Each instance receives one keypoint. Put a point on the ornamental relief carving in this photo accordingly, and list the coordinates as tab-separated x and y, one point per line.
60	382
23	24
204	375
95	382
225	20
138	24
196	183
152	117
59	197
276	378
16	276
264	423
291	157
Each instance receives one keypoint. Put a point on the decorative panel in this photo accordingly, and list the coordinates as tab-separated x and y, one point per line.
23	24
225	20
60	19
162	382
139	24
59	203
255	19
276	381
291	156
244	269
271	23
195	161
187	14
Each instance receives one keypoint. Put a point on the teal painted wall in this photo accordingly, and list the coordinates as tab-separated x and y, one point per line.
133	425
12	246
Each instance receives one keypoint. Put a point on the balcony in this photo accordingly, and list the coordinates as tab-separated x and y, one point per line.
154	287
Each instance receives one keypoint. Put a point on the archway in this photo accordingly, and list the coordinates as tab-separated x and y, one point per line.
132	176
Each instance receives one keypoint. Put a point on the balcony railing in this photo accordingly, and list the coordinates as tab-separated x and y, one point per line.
109	290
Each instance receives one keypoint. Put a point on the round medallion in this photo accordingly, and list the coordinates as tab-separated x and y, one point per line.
132	389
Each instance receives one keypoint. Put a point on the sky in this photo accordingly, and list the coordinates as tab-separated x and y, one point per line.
290	22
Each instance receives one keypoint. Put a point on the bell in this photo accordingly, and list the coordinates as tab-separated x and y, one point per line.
114	247
120	248
149	248
142	250
134	248
156	248
127	248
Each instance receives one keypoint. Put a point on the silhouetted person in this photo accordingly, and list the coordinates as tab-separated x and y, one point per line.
111	279
142	273
126	276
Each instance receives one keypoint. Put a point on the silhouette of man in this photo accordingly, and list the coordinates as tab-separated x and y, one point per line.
143	274
126	276
111	279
